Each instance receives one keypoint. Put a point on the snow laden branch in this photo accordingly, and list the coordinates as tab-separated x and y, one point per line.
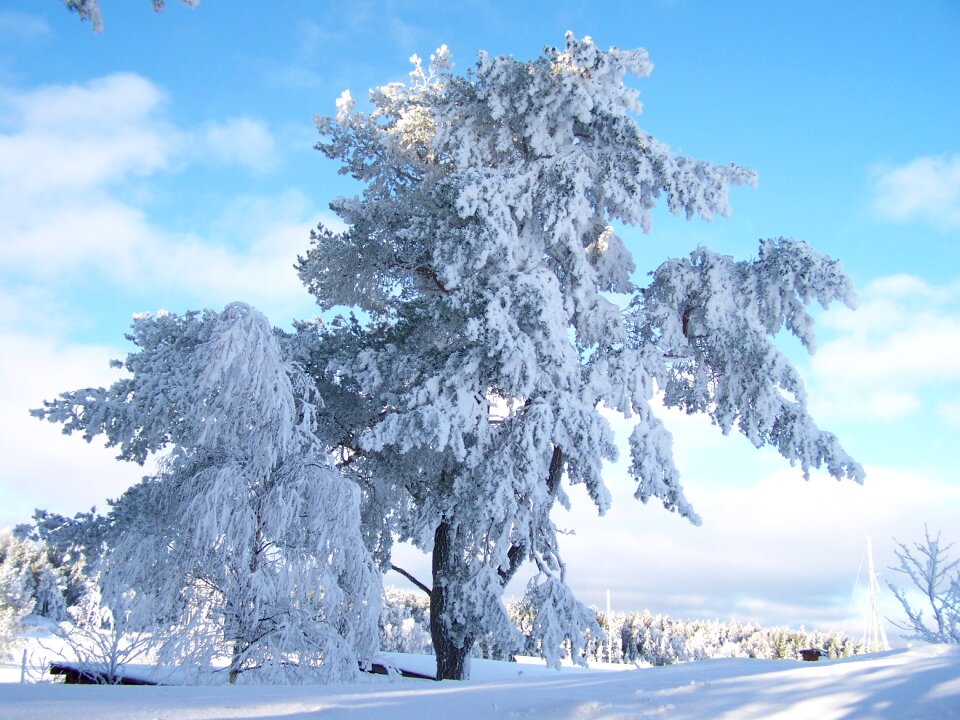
712	319
247	542
481	255
90	10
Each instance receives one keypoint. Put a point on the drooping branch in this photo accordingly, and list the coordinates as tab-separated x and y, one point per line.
517	552
515	556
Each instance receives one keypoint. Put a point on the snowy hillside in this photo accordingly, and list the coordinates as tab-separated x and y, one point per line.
922	682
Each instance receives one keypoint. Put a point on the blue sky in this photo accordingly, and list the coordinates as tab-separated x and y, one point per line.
167	162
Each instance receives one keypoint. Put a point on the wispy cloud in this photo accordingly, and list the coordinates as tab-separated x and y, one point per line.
81	137
925	190
18	25
949	411
238	141
768	550
71	138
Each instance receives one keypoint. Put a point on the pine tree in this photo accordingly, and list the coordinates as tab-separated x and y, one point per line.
483	256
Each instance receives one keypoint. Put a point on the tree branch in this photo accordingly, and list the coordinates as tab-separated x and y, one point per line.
411	578
517	553
555	471
430	274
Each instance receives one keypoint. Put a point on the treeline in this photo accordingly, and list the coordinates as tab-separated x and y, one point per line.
637	637
35	580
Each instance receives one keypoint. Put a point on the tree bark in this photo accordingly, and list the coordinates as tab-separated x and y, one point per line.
235	660
452	657
452	646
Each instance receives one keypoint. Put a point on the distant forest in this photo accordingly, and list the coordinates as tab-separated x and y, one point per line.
640	638
32	580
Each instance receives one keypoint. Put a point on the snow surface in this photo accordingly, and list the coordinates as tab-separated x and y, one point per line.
921	682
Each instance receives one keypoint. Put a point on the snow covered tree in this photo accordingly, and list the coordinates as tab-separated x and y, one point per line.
247	541
16	598
403	623
483	258
936	577
90	9
49	585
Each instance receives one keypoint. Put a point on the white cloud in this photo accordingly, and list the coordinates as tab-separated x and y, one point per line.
903	340
949	411
75	237
118	243
74	138
928	351
926	190
779	550
236	141
904	286
260	273
70	138
68	155
42	468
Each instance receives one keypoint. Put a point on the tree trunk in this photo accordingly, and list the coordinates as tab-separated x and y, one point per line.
241	618
235	661
452	657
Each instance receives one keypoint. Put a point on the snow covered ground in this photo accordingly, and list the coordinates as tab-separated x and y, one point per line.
922	682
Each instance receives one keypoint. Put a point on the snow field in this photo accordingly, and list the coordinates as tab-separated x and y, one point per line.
921	682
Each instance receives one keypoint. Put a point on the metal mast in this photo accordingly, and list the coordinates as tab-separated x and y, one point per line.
874	636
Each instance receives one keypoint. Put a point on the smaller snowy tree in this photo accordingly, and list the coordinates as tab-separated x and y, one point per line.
936	577
100	636
16	600
404	623
247	541
44	583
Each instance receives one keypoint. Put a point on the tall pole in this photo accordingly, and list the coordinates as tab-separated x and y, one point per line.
873	629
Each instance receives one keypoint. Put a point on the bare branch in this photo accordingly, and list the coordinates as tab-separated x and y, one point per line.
411	578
